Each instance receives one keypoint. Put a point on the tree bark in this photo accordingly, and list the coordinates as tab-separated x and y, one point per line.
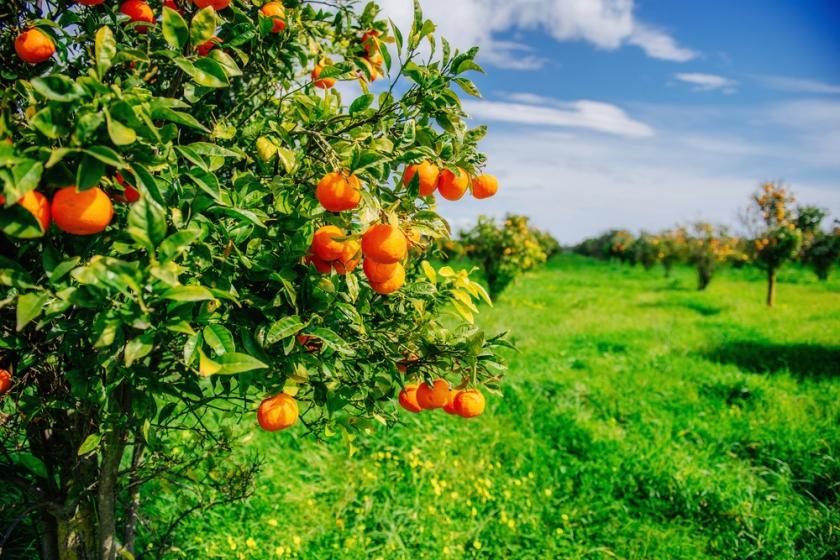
771	287
112	452
133	507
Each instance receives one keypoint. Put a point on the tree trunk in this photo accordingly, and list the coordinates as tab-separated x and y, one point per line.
112	452
133	509
771	287
704	276
77	534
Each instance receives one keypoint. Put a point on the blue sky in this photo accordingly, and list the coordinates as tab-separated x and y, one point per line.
614	113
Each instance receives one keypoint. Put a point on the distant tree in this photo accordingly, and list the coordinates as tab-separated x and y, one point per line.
646	250
619	245
775	236
708	246
673	248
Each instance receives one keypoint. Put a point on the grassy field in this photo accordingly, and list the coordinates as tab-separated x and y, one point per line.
641	419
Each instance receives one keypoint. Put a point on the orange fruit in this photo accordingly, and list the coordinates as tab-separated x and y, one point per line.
322	266
384	243
172	6
215	4
326	244
484	186
379	272
204	48
81	213
449	407
137	10
337	192
469	403
392	284
38	206
452	186
433	396
277	12
372	69
311	343
130	195
429	174
5	381
349	258
324	83
408	398
370	41
34	46
277	412
376	59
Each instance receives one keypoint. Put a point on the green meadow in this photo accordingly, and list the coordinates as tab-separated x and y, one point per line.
640	419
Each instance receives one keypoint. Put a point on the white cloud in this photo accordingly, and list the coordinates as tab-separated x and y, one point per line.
800	85
607	24
707	82
534	110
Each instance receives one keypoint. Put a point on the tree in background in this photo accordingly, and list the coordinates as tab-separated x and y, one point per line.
820	249
646	250
673	248
619	245
185	199
774	235
708	246
503	251
548	243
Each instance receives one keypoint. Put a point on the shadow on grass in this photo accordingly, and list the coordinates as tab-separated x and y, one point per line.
802	360
703	309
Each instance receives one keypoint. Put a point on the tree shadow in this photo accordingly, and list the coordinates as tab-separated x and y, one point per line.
704	309
802	360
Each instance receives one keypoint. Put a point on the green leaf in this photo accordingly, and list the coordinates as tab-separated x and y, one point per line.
227	62
57	155
175	29
266	150
203	26
177	243
287	158
32	463
89	172
283	328
205	71
104	50
468	87
188	293
120	134
147	223
90	444
137	348
57	87
29	307
167	114
106	155
208	149
236	362
361	103
332	340
219	338
468	64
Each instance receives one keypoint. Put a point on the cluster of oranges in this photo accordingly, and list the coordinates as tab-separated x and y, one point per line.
467	403
73	211
372	60
451	184
33	46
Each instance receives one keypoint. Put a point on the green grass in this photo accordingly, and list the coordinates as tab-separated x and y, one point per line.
640	419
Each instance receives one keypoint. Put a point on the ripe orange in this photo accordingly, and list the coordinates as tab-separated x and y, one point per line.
204	48
449	407
328	243
34	46
370	41
5	381
349	258
322	266
216	4
311	343
38	206
433	396
82	213
452	186
484	186
384	243
277	12
392	284
408	398
277	412
379	272
469	403
173	6
324	83
337	192
137	10
429	174
130	195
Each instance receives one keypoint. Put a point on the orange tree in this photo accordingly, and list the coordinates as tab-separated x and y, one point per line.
503	251
708	246
775	237
673	248
646	250
165	167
